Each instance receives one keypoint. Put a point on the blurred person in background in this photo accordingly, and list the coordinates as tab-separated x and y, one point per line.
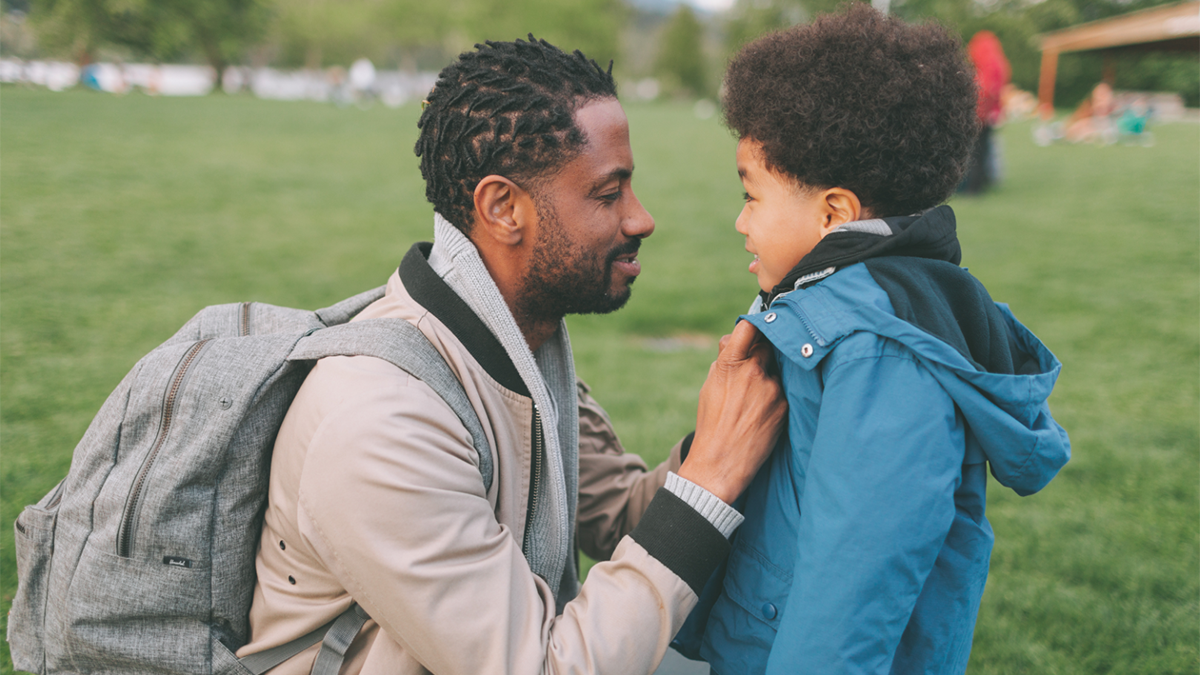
992	74
1092	120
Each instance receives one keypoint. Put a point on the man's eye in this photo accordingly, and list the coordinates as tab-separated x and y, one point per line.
611	197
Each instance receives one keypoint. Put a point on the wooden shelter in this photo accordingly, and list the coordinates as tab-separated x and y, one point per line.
1166	28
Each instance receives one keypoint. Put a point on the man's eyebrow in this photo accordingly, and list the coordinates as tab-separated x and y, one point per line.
623	173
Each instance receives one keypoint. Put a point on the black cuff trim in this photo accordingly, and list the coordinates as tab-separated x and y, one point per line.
686	446
682	539
432	293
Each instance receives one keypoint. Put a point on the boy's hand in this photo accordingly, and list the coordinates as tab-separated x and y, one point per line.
741	413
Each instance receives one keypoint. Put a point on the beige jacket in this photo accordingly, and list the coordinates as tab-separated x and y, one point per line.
376	497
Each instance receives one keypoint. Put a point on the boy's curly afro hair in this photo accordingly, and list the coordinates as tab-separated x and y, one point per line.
862	101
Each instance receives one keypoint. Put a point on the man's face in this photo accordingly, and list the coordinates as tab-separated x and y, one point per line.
590	224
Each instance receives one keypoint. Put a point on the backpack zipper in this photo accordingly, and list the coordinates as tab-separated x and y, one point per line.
244	324
535	473
125	535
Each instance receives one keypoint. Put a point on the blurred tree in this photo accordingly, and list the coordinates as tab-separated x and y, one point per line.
591	26
318	32
313	33
1018	23
219	30
748	19
16	37
680	65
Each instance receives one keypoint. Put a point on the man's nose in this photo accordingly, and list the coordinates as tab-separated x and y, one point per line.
638	223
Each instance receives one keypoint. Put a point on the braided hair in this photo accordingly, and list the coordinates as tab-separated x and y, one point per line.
506	108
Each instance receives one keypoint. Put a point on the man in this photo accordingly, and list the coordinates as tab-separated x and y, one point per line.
375	493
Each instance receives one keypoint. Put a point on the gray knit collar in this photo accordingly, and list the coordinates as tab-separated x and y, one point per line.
549	373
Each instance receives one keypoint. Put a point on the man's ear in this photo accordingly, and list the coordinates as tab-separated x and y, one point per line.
504	211
839	206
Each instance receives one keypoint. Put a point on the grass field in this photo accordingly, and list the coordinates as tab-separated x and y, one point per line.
122	216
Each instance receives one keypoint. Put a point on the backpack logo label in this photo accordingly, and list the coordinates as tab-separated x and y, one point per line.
176	561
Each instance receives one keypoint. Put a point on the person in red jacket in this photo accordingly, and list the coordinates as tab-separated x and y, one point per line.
992	72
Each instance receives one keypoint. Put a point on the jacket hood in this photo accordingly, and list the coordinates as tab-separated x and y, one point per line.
997	372
931	235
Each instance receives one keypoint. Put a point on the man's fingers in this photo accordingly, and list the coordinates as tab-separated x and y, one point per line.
722	342
737	346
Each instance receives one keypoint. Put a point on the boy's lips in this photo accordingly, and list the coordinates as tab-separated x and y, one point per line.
754	265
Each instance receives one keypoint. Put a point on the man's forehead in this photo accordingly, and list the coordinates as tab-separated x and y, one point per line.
607	152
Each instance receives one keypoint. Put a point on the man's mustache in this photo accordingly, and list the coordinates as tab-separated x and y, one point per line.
631	246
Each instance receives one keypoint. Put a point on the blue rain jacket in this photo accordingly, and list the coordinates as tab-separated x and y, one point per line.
865	547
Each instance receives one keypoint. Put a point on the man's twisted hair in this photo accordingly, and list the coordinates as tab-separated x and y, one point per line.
505	109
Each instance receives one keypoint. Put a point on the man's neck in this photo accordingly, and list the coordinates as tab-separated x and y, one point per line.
536	331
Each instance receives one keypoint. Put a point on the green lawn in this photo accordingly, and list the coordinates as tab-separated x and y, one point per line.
122	216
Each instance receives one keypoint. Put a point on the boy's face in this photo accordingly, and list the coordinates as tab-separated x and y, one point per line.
781	220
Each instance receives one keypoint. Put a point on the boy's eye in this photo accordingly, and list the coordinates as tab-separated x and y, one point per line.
746	196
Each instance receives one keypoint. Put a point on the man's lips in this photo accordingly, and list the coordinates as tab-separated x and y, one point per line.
628	264
624	259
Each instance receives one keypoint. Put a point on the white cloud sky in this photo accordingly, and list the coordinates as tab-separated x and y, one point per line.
712	5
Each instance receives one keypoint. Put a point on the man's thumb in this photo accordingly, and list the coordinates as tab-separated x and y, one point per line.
738	346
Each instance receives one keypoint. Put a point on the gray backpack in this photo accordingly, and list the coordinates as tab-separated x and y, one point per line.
142	559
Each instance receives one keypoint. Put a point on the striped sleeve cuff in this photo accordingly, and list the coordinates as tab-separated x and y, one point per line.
722	516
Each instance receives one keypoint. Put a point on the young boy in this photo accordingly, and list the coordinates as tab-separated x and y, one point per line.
865	547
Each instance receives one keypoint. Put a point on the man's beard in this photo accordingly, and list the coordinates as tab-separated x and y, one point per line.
565	279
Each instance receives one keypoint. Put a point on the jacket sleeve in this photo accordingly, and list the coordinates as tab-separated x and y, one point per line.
614	486
877	505
392	503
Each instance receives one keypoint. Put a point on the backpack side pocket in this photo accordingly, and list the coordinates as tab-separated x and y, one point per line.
34	545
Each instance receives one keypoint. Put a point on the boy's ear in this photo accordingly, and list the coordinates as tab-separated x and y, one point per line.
504	213
840	206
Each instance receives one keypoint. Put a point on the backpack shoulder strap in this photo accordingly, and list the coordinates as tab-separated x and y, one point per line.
346	309
403	345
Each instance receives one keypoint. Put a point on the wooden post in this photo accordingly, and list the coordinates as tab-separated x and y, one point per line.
1046	84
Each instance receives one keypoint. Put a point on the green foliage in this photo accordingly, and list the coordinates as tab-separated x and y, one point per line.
1018	24
16	37
314	33
591	26
681	63
323	32
122	216
218	30
748	19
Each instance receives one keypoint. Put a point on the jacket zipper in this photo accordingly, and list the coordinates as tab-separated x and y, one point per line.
125	535
535	474
813	333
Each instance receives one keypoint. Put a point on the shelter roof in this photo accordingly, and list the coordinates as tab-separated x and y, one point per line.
1165	28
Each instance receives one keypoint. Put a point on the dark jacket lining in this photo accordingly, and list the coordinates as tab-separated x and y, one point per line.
432	293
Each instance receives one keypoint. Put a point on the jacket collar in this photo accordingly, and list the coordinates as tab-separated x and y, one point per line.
432	293
930	235
548	375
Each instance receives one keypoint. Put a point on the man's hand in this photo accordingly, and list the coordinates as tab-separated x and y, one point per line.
741	413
